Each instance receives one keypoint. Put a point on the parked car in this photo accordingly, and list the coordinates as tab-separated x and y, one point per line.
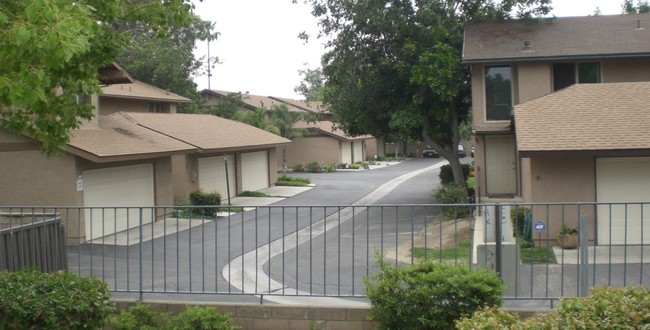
461	151
429	153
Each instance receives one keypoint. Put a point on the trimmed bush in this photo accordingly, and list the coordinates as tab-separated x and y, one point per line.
140	316
200	318
453	194
30	299
200	198
429	295
627	308
447	175
299	168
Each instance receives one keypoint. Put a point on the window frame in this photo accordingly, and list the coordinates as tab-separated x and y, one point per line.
486	116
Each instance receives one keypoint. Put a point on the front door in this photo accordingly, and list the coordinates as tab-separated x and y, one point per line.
501	165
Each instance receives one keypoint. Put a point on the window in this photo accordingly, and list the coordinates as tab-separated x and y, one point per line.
154	107
498	93
567	74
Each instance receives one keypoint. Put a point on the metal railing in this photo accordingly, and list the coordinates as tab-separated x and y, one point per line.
328	251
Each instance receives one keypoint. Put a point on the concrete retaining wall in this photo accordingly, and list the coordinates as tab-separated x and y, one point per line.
272	317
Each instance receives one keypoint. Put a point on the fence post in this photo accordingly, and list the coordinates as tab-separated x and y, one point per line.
498	240
584	257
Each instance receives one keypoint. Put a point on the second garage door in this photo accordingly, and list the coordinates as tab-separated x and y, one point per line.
212	175
623	180
255	170
117	196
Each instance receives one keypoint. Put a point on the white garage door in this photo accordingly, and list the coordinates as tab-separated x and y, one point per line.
119	187
623	180
212	175
358	151
255	170
346	152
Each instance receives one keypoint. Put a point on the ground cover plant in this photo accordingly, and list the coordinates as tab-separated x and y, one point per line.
285	180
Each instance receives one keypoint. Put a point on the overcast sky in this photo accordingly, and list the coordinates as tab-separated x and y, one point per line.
260	52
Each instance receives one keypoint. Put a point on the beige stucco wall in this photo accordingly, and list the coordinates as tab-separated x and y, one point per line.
30	178
563	180
626	70
311	149
185	171
534	80
108	105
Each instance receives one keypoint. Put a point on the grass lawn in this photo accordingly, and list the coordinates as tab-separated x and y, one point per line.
537	255
460	253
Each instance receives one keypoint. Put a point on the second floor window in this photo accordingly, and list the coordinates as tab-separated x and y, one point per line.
154	107
498	93
567	74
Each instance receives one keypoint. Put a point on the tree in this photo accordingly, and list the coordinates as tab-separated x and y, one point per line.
168	63
226	106
642	7
51	52
280	123
393	68
311	86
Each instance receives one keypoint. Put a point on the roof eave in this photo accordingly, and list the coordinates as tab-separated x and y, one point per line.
554	58
584	153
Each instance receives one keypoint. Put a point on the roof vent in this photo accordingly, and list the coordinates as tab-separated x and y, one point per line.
527	48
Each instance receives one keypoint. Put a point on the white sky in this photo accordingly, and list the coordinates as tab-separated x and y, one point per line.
260	50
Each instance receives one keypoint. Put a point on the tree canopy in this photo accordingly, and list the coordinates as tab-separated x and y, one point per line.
393	68
312	84
169	62
51	52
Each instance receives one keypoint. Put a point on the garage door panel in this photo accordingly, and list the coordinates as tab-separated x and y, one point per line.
107	192
255	170
358	151
622	182
212	175
346	152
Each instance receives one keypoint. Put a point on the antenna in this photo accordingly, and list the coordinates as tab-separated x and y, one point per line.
209	73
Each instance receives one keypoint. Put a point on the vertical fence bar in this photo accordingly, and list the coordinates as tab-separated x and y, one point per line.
141	261
584	255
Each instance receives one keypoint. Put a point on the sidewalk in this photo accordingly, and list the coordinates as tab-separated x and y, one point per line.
275	193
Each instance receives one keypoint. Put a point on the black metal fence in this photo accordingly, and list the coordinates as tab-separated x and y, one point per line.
328	251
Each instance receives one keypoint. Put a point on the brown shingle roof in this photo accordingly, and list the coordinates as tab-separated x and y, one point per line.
208	133
119	137
563	38
586	117
257	101
311	106
140	90
327	128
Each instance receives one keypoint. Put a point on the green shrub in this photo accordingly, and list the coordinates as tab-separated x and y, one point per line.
518	217
447	175
356	166
299	168
200	198
453	194
314	168
138	316
201	318
329	168
30	299
489	318
627	308
248	193
285	180
429	295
